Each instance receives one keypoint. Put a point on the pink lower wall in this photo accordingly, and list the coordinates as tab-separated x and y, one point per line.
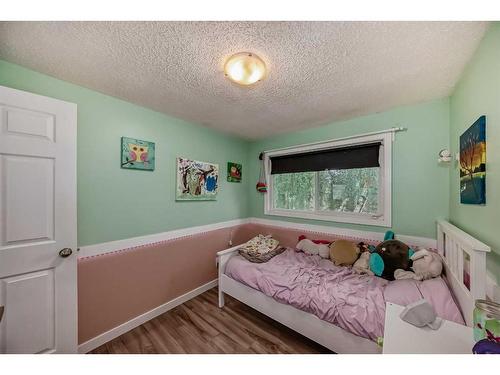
116	287
289	237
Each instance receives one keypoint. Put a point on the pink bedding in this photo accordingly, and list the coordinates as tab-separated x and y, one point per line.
353	302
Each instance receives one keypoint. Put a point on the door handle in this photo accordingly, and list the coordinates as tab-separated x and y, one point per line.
66	252
1	312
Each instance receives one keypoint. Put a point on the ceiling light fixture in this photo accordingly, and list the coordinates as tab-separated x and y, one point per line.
245	68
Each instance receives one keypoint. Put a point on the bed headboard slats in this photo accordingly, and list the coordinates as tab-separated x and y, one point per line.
464	259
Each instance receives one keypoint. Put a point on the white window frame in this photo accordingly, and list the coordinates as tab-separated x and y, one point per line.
384	216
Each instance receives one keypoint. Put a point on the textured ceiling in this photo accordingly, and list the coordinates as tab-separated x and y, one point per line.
319	72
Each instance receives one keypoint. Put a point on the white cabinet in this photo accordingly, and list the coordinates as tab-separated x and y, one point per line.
401	337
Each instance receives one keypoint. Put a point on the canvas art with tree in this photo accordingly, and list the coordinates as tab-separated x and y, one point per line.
196	180
473	163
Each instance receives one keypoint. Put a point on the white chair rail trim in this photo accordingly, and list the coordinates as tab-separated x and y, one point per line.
112	246
361	234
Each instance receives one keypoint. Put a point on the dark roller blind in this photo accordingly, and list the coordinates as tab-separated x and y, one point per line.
359	156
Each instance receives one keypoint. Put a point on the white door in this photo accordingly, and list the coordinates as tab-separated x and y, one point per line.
38	295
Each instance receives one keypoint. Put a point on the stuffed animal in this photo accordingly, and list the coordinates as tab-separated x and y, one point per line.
426	265
389	235
384	259
366	247
362	265
369	262
396	255
376	264
326	242
344	253
312	248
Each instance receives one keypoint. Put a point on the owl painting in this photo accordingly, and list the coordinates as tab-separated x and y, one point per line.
137	154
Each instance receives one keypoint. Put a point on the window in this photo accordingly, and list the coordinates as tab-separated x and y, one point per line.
345	180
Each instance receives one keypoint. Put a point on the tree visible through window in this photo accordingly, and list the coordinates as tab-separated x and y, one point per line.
294	191
349	190
345	180
342	190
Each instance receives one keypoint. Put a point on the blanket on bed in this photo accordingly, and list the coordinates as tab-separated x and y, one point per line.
335	294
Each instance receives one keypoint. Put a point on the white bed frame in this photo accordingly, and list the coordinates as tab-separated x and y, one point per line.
451	244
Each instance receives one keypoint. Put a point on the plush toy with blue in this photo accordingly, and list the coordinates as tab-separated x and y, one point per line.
395	255
389	235
369	262
384	259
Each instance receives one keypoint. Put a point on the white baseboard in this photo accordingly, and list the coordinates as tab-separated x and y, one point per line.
361	234
137	321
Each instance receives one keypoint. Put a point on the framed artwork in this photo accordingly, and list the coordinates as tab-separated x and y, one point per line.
233	172
473	163
196	180
137	154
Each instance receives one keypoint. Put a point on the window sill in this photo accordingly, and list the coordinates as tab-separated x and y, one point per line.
340	218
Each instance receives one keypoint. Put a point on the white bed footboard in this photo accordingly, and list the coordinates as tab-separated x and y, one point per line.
464	258
222	258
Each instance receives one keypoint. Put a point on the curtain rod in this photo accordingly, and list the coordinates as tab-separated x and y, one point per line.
391	130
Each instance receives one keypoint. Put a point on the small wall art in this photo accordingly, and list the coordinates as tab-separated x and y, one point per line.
233	172
196	180
137	154
473	163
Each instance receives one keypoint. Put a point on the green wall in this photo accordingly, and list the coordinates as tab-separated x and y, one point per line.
115	203
420	184
478	93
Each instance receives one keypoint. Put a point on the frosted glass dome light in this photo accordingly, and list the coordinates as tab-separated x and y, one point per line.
245	68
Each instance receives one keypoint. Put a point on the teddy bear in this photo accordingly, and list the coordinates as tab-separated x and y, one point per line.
426	265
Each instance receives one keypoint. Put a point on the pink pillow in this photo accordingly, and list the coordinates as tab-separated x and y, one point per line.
402	292
438	294
435	291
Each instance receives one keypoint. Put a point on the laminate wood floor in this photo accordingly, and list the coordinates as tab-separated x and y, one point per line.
199	326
